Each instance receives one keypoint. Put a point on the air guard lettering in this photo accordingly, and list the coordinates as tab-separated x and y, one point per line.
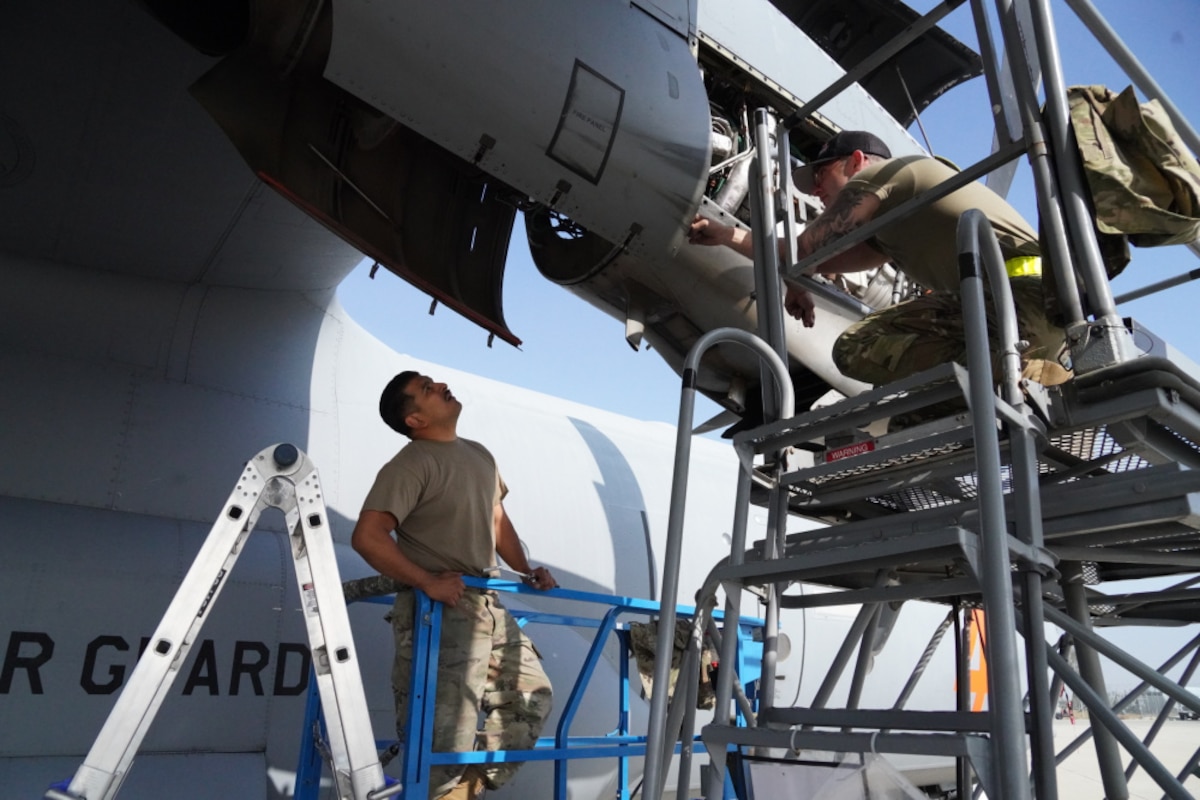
253	669
116	672
108	662
30	662
204	669
281	662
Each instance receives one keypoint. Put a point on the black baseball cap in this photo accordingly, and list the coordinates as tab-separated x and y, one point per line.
839	145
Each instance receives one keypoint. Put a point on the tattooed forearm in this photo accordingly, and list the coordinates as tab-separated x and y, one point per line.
842	216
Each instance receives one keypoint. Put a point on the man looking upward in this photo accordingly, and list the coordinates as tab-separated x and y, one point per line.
442	496
857	179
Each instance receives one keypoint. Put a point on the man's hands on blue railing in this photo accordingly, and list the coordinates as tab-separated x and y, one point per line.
446	587
540	579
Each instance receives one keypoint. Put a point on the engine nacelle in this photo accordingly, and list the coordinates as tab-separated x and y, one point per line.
597	110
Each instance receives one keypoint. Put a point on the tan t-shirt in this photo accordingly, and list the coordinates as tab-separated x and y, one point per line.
924	244
443	495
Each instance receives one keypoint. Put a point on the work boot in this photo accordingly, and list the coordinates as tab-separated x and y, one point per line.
1045	372
469	787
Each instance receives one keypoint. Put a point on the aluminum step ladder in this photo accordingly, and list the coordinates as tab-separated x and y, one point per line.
282	477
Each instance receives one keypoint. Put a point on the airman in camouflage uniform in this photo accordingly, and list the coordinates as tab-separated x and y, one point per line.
928	330
857	178
442	497
515	696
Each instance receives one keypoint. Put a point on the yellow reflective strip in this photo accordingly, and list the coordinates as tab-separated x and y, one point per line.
1023	265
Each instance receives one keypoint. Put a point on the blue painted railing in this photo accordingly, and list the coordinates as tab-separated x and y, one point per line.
562	747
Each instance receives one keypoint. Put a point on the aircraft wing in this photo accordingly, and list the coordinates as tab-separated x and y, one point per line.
107	163
851	30
425	214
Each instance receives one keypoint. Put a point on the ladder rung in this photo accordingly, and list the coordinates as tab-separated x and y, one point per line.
933	546
891	719
933	744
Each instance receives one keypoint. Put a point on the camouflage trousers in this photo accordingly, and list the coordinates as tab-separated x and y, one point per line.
921	333
485	663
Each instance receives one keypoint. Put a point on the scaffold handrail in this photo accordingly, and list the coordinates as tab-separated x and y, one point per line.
562	747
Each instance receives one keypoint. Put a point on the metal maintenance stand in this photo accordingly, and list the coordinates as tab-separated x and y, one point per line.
278	477
1020	501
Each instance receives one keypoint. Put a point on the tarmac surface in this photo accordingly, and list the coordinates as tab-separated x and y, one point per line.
1079	775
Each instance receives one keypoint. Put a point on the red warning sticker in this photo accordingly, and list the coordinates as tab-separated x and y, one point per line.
846	451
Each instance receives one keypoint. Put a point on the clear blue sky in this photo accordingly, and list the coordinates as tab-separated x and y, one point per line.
572	350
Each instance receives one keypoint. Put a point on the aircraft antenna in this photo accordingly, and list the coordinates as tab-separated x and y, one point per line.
913	106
